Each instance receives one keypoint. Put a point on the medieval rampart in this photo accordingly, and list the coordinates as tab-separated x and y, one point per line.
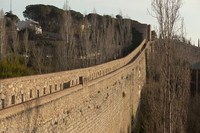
95	99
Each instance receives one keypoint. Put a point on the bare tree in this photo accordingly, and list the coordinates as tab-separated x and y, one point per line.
120	13
65	26
94	11
38	57
2	35
15	46
66	6
64	52
26	47
167	14
170	69
170	72
61	57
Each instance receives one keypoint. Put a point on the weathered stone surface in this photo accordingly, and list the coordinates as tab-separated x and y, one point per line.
101	102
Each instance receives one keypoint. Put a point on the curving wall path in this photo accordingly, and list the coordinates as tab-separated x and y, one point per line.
90	100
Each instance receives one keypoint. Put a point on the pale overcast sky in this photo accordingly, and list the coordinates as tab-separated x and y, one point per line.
135	9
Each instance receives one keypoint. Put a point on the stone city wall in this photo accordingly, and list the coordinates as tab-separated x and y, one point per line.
101	101
95	99
18	90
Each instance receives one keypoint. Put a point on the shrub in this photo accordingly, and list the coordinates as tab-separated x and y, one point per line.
13	68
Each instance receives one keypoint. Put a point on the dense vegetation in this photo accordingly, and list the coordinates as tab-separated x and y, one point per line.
69	41
46	15
11	19
161	107
13	67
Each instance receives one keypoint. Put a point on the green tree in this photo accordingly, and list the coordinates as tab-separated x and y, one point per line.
46	15
13	67
13	17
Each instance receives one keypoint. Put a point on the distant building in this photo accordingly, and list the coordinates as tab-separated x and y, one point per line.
34	25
